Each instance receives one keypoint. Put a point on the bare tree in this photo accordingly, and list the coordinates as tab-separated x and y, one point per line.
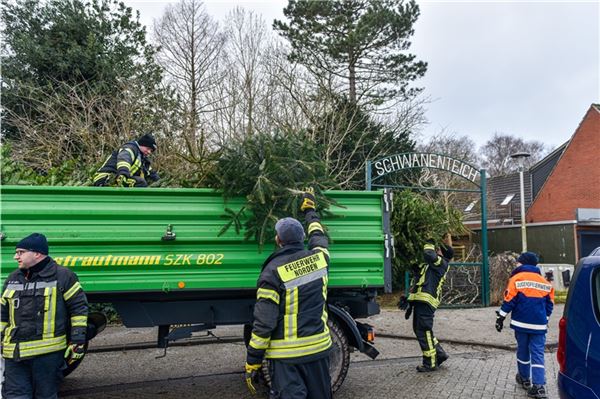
496	153
191	49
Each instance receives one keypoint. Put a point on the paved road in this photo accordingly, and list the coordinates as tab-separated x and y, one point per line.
213	371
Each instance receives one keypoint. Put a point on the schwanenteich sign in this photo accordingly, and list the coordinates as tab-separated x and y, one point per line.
378	169
397	162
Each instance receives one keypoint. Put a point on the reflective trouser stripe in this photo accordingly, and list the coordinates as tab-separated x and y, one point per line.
35	348
78	321
297	351
431	353
101	175
50	312
290	323
72	291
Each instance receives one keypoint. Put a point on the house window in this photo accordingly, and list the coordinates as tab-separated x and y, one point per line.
508	198
470	206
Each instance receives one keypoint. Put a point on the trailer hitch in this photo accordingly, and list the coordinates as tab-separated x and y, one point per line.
180	333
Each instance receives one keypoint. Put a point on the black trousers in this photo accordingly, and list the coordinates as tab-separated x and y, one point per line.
37	377
423	315
300	381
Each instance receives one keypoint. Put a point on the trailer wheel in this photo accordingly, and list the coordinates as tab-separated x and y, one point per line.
339	357
71	367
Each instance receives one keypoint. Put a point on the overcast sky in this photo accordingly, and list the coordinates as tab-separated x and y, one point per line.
530	69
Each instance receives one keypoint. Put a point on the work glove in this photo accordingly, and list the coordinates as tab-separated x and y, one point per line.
499	321
403	303
153	176
308	200
74	352
122	181
408	311
252	372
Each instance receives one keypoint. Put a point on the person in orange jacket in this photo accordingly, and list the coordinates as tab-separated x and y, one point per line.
530	298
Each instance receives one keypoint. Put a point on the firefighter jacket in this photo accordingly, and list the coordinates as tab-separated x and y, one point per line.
40	309
429	277
530	298
128	161
290	315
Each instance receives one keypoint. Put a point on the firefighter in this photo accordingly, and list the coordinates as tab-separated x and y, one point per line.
290	315
530	298
424	298
43	322
129	166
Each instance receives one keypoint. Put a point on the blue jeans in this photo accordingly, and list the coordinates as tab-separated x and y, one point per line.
530	356
37	377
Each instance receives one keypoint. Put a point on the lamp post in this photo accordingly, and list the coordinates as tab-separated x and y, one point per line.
520	157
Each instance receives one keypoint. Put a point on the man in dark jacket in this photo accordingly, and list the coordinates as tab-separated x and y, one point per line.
530	298
43	322
290	315
424	299
129	166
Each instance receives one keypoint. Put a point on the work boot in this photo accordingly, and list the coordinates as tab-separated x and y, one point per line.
441	355
425	369
537	392
525	384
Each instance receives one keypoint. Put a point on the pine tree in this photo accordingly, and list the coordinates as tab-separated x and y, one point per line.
362	42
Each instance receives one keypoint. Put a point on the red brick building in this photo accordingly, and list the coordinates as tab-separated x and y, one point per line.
562	200
575	180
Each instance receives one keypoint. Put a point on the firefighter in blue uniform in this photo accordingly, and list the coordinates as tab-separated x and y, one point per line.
43	322
530	298
424	298
129	166
290	315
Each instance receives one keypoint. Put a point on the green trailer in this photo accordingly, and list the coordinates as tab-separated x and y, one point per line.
157	256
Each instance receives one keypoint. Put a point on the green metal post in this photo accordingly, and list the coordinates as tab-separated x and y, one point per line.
485	270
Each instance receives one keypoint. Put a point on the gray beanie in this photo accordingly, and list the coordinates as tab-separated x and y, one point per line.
289	231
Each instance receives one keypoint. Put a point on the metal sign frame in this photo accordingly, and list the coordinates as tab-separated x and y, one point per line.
417	160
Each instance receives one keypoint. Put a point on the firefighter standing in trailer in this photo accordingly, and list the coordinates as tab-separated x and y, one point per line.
129	166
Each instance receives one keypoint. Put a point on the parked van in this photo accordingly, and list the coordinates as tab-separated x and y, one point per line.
579	337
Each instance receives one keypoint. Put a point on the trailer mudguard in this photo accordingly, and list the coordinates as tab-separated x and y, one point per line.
352	329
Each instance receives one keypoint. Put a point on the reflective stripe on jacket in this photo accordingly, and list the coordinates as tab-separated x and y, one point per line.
37	312
429	278
290	315
127	160
530	298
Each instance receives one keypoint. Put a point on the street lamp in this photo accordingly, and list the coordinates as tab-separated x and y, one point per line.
520	157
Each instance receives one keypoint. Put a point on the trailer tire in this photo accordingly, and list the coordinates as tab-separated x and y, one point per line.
339	357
